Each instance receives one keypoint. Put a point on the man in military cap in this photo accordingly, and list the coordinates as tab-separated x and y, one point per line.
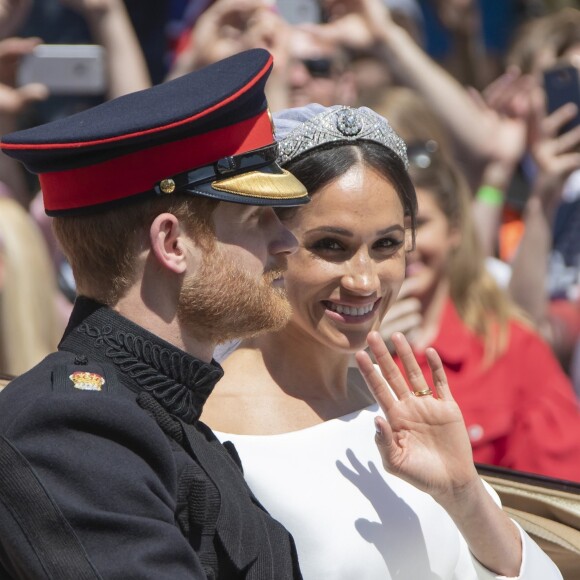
164	202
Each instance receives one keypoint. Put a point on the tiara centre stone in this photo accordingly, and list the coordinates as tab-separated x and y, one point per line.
349	122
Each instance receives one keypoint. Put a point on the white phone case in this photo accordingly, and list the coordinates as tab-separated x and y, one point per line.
66	69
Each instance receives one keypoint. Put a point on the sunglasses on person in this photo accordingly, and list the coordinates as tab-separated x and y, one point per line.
318	67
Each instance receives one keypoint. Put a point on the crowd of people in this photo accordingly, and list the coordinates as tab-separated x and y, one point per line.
441	240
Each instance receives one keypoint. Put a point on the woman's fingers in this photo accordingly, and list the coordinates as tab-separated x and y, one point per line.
389	368
375	382
438	374
392	374
413	371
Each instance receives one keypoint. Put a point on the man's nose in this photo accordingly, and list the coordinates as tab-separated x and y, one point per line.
283	240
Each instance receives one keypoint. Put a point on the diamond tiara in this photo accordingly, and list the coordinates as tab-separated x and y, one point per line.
345	124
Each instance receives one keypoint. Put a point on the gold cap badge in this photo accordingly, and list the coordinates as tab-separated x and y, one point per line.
167	185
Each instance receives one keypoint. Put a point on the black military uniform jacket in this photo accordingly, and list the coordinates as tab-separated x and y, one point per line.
124	482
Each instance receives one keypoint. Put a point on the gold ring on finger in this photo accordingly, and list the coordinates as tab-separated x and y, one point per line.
423	393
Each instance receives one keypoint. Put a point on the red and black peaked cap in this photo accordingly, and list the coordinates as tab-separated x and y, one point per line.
208	133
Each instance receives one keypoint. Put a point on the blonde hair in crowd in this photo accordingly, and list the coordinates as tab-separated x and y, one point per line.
30	327
540	42
485	308
411	117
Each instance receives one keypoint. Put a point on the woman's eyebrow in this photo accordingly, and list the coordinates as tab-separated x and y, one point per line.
348	233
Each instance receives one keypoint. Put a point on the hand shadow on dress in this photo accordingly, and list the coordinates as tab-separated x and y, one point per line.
402	560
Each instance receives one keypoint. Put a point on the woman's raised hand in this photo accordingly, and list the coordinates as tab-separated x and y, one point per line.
424	440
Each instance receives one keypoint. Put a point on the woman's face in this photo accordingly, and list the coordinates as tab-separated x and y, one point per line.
351	259
427	264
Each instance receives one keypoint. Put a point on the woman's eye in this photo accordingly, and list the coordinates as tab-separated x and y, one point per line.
389	244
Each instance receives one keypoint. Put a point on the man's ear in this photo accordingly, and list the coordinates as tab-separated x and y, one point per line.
168	243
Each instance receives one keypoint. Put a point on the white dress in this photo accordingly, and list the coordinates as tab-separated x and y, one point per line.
351	519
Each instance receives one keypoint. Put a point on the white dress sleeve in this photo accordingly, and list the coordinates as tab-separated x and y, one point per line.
536	565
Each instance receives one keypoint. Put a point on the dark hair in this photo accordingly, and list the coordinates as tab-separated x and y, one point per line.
318	167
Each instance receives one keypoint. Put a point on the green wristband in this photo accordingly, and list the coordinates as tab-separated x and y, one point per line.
489	195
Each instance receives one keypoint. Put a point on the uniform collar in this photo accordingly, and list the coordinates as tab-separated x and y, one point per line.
179	381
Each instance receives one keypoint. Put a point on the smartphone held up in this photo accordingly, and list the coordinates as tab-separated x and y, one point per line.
562	85
65	69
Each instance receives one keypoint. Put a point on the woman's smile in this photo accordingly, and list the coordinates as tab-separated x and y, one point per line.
351	313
